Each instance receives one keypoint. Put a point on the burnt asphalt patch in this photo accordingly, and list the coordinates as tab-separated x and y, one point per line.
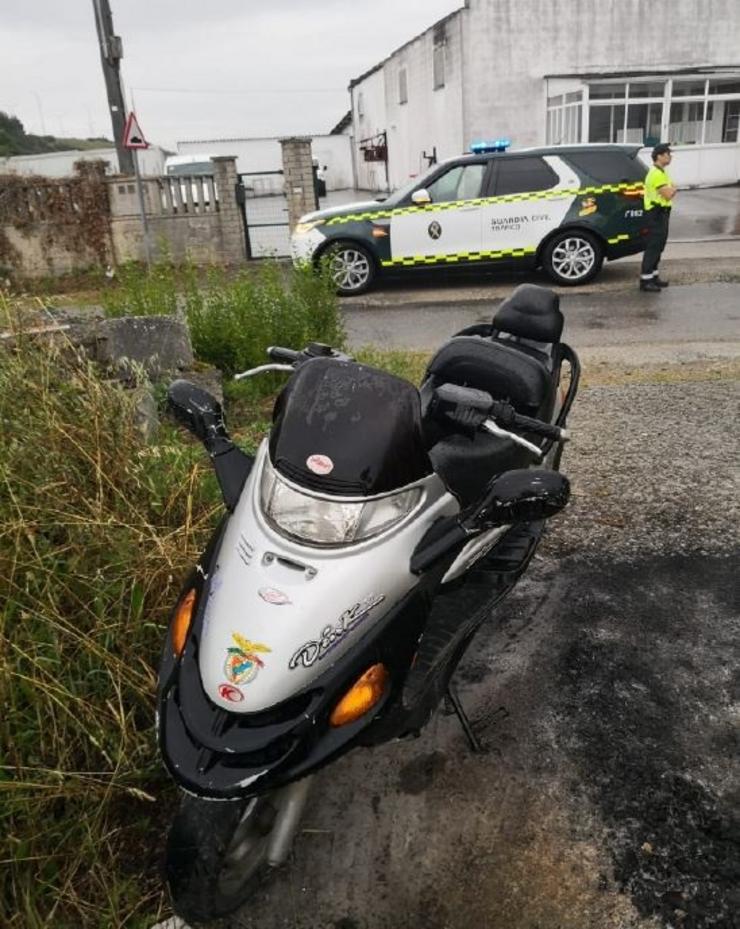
647	682
606	798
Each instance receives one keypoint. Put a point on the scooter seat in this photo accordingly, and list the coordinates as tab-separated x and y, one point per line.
505	371
531	312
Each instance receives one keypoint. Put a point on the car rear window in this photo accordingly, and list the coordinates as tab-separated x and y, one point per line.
610	167
524	175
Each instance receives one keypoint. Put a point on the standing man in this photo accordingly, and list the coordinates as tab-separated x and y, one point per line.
659	194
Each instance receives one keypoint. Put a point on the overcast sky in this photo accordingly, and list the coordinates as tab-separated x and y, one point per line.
200	69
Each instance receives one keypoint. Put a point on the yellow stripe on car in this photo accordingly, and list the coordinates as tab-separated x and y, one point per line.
411	260
553	194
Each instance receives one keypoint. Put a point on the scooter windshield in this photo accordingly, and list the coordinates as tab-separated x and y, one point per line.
345	429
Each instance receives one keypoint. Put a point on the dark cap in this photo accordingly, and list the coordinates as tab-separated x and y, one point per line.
663	148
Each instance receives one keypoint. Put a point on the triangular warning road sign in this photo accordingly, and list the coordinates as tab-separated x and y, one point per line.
133	137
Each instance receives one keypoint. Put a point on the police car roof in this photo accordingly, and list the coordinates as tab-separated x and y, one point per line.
630	150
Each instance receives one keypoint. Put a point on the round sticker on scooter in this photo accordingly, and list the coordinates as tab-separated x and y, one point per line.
230	693
276	597
320	464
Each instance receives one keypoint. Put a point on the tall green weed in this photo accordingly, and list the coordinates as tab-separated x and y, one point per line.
234	318
97	531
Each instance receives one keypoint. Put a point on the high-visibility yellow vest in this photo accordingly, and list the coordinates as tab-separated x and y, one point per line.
656	178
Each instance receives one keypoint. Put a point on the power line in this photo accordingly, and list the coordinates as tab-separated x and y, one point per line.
260	92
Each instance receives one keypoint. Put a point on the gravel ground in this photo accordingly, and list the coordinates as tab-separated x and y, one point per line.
653	469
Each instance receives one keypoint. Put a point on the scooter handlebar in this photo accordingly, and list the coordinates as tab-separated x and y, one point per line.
468	408
538	427
283	355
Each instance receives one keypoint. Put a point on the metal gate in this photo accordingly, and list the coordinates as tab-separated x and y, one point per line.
262	197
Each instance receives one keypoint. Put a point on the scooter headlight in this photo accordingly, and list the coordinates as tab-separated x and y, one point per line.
323	521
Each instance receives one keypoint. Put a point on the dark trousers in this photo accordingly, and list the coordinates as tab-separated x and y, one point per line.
658	219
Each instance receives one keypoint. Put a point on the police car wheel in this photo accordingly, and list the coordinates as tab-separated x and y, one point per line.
351	267
573	258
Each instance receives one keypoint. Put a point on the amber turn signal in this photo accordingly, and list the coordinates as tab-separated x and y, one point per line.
361	697
181	622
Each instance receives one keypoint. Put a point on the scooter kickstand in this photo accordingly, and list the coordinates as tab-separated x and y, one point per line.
474	742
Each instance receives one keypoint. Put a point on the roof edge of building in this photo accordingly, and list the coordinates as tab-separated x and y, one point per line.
366	74
647	72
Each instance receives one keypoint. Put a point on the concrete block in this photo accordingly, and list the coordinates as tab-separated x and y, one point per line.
160	344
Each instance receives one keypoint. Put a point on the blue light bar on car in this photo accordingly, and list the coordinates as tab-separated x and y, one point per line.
482	148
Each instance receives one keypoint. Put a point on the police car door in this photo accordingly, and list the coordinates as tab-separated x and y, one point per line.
446	230
531	197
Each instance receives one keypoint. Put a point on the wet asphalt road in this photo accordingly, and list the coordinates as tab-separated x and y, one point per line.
707	213
694	312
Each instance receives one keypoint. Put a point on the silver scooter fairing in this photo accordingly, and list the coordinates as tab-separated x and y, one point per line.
279	611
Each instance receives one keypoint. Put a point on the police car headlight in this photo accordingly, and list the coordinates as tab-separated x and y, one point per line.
304	228
322	521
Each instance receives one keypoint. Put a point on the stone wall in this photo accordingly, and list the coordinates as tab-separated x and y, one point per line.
194	217
50	226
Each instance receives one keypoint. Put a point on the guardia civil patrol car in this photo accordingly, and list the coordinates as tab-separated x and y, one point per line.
564	209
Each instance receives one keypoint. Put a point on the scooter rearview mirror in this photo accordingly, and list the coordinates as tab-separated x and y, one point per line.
200	413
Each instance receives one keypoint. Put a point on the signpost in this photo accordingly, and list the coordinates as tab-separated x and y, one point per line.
133	139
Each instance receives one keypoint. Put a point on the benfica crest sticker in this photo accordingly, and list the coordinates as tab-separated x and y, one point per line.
242	660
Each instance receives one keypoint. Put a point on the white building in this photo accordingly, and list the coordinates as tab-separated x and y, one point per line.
61	164
263	156
554	72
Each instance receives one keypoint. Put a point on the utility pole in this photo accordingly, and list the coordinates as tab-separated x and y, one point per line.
111	52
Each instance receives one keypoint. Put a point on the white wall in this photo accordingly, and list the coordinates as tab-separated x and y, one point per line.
265	154
369	119
511	45
61	164
431	117
702	165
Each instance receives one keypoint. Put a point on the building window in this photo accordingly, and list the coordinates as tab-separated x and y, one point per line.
606	123
360	105
731	129
626	112
439	66
438	55
564	118
686	122
403	90
696	110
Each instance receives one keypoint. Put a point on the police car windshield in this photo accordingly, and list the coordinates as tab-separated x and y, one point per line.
414	184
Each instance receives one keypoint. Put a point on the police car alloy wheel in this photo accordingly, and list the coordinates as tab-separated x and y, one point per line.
573	257
351	267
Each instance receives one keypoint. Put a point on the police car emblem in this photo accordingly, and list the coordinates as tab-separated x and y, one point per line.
435	230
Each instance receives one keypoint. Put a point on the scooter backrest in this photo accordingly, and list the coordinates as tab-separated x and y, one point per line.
531	312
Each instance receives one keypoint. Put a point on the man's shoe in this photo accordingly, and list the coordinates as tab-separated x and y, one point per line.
650	286
660	282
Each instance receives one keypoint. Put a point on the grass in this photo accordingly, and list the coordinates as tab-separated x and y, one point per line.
234	317
97	532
